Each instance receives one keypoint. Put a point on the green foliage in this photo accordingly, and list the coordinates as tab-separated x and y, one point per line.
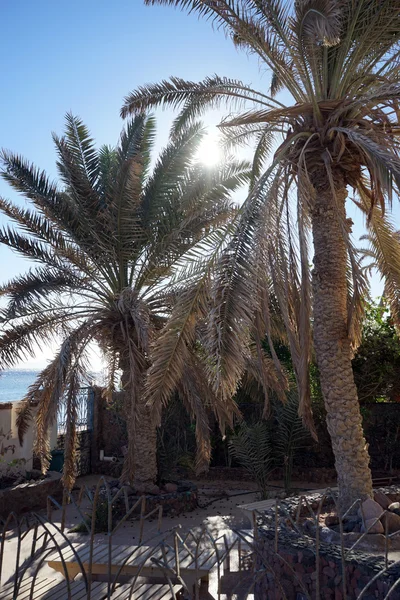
101	523
376	365
176	442
288	434
261	447
107	239
251	447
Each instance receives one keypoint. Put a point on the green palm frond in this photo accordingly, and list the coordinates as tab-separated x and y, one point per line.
109	241
82	147
36	286
251	447
289	435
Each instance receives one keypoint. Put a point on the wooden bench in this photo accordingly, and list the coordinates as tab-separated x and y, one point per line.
261	506
51	589
144	561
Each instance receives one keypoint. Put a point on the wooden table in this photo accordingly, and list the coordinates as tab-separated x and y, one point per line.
130	561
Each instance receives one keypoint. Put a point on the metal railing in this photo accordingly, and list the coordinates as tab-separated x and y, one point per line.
84	420
252	564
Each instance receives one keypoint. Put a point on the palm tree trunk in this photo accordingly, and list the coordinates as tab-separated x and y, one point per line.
332	344
140	466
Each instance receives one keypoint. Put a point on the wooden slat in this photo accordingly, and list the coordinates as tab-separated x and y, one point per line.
41	585
66	552
149	591
60	591
47	589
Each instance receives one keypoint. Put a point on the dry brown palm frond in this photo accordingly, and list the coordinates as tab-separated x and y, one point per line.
172	347
261	372
24	419
70	468
196	396
235	293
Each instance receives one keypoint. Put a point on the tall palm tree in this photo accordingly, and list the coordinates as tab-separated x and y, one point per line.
107	239
337	140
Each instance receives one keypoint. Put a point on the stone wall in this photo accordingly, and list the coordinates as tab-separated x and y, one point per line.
293	570
184	498
29	496
290	567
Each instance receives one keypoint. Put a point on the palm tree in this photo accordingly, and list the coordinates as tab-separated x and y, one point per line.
107	240
336	141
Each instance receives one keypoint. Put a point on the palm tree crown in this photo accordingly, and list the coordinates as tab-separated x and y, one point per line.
339	61
106	239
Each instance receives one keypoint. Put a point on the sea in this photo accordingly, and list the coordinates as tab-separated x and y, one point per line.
15	383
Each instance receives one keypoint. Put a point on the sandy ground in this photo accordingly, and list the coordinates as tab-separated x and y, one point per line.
219	515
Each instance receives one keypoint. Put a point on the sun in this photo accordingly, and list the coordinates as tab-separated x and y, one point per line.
209	152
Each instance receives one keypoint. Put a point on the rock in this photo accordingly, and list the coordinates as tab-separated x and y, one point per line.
141	490
331	520
113	484
351	524
392	520
382	500
184	486
370	510
36	474
394	507
370	543
309	527
170	488
372	526
328	535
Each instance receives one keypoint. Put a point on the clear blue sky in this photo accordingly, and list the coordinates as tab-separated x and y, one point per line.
85	57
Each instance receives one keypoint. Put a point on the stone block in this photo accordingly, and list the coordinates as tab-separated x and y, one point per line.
372	526
370	509
382	499
171	488
392	521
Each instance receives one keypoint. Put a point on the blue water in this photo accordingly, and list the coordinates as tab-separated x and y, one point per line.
14	384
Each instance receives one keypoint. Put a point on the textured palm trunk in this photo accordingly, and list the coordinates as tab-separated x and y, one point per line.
140	467
333	347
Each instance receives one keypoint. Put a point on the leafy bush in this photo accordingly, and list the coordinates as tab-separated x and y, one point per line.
251	447
376	365
101	519
262	447
288	434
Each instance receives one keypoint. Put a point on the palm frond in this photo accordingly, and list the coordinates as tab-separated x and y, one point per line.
195	395
251	447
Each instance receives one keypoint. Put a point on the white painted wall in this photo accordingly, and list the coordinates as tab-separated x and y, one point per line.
8	417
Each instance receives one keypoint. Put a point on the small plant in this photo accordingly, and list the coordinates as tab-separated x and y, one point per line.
11	471
251	447
101	520
288	434
262	447
5	448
